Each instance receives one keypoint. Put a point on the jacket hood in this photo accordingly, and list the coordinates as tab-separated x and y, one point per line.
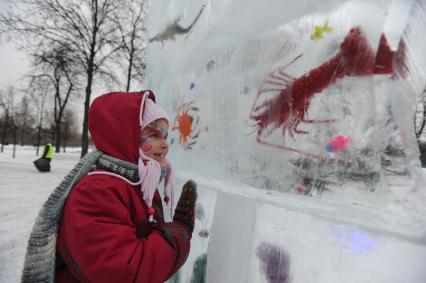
114	124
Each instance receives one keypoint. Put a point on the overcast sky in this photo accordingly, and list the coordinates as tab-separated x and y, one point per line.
13	64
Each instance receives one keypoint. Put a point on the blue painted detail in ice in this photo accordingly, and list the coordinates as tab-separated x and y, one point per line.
357	241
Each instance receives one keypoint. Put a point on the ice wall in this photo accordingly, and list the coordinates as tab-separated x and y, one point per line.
291	96
311	102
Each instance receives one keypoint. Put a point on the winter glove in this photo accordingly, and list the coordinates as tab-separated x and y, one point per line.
185	208
145	228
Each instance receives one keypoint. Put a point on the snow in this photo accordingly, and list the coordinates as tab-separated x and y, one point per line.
23	190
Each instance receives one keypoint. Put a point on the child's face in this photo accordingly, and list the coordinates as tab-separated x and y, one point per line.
153	141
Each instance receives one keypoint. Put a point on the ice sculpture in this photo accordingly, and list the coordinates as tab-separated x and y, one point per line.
264	103
309	98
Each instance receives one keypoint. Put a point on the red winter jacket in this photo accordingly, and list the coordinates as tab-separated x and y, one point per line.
98	238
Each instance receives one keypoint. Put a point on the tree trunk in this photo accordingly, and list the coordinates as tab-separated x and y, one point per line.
90	71
129	74
3	140
38	139
58	130
64	137
4	132
22	138
15	130
85	134
58	135
22	130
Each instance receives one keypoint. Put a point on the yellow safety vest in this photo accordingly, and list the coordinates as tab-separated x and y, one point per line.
50	152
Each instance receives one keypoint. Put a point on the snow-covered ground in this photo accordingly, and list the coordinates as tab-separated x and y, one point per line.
346	237
22	192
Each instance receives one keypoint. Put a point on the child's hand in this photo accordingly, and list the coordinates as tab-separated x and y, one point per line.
185	208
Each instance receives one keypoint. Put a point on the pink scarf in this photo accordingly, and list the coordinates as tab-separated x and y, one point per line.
149	169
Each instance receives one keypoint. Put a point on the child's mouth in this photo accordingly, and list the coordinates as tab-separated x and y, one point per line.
160	155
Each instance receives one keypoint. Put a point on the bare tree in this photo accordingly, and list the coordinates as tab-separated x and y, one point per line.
10	113
14	129
38	90
133	32
7	105
57	66
24	120
5	119
86	27
69	128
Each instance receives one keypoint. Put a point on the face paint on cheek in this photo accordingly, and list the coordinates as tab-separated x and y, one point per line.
147	147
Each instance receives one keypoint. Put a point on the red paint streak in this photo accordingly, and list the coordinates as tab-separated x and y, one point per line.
354	58
383	63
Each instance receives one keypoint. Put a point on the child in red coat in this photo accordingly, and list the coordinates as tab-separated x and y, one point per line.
112	227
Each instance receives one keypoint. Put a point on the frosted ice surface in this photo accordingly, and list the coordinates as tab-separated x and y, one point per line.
295	101
300	115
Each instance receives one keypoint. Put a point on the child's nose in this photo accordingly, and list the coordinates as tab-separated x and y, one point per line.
164	143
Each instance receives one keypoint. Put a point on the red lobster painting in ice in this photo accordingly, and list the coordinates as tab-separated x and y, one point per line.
291	96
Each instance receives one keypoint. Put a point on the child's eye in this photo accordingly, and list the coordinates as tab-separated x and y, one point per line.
155	133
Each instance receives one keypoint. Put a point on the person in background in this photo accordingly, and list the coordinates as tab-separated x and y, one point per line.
48	151
43	163
105	221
